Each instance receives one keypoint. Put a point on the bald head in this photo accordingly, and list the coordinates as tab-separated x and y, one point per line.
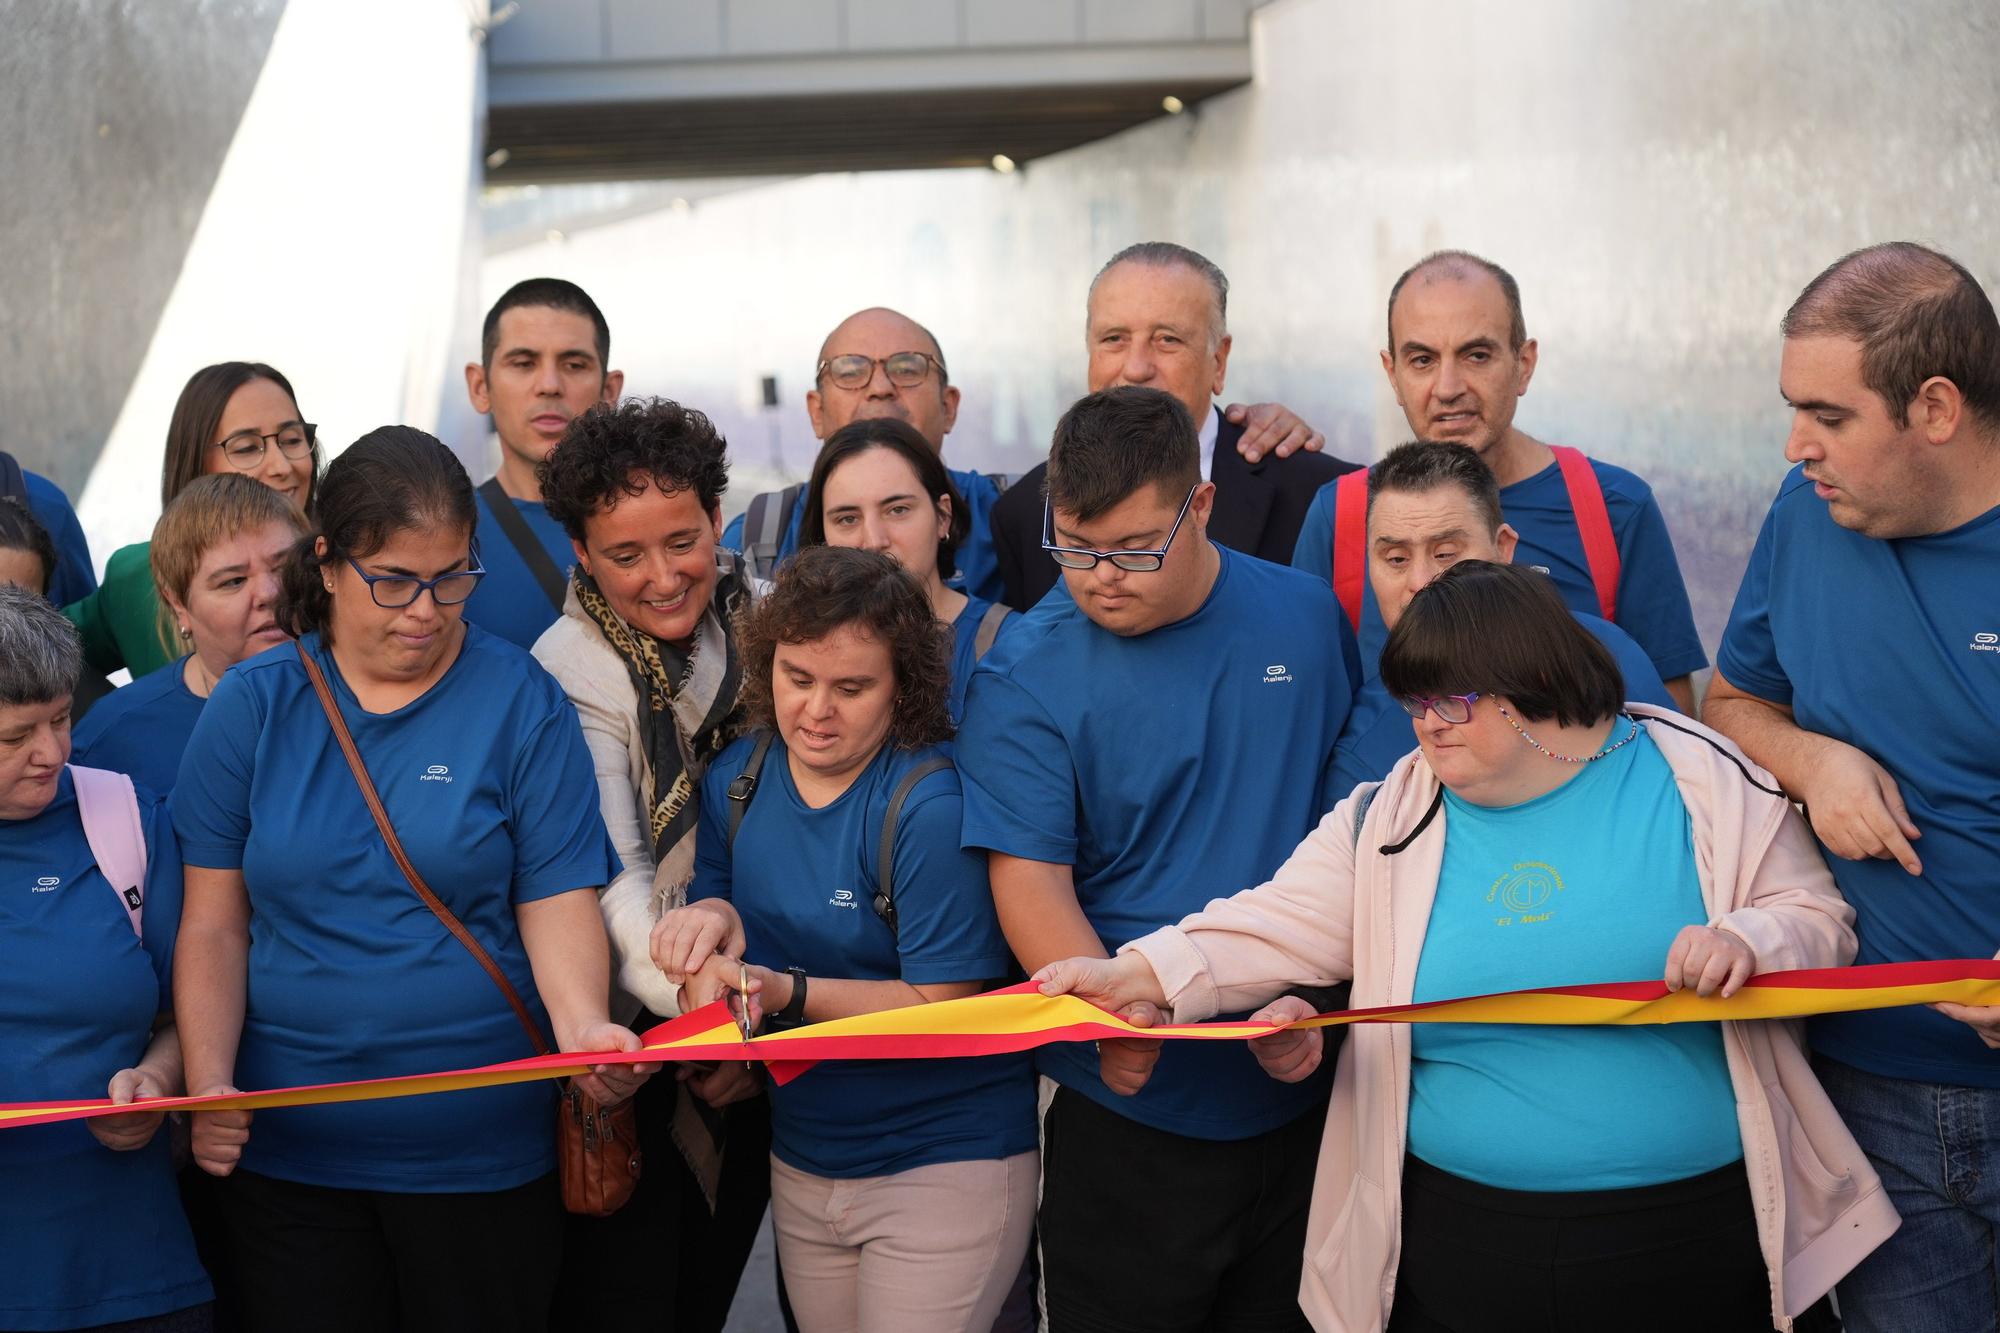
1917	315
876	334
1463	266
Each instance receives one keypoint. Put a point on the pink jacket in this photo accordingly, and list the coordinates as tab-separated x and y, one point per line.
1336	911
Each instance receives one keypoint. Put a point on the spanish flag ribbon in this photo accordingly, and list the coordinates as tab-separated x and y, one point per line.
1020	1018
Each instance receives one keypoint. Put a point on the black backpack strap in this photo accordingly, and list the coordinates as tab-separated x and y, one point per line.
13	481
528	546
765	523
989	628
743	787
885	862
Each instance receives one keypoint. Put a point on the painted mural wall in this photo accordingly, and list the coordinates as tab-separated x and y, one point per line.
1662	178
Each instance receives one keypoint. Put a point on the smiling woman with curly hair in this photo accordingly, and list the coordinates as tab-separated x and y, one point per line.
830	846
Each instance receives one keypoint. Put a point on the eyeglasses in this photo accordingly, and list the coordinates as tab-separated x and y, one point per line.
1138	562
1453	708
906	370
392	592
245	449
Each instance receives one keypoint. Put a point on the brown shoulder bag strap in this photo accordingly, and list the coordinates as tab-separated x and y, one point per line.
431	900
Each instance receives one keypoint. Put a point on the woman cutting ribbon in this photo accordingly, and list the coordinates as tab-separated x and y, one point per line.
1501	1176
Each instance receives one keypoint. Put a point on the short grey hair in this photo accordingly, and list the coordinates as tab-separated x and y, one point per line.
40	653
1165	254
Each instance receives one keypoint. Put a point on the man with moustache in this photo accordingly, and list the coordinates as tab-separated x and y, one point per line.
1157	315
542	360
1459	359
1861	666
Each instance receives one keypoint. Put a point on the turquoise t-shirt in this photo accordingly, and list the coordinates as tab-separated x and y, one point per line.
1588	883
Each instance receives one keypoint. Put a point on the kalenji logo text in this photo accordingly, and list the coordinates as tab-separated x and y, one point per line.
1986	643
436	773
1277	674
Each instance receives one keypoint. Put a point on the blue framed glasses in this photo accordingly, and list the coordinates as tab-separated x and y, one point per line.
1138	562
1453	708
393	592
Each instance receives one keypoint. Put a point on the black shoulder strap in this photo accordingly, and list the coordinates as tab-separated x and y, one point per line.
525	543
743	787
765	523
885	862
989	628
13	481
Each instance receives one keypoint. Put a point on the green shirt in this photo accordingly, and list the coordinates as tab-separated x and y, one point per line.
120	622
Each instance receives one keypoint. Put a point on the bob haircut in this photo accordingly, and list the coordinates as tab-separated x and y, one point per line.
198	415
824	588
899	437
610	453
393	479
20	530
210	511
1502	630
41	654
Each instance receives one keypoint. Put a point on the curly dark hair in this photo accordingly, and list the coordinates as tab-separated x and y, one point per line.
823	588
609	451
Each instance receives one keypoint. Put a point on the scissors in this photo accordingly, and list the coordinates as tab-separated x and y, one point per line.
743	995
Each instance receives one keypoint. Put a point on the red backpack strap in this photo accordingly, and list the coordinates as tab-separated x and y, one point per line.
1350	542
109	808
1593	524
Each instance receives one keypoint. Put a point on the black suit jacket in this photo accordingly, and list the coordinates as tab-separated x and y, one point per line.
1259	509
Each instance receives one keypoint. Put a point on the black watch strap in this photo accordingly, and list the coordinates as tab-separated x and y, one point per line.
794	1013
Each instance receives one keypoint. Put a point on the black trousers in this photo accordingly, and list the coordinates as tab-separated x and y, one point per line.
1671	1258
663	1263
1143	1231
308	1259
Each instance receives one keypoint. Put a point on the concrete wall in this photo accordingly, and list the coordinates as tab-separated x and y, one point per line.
190	181
1662	178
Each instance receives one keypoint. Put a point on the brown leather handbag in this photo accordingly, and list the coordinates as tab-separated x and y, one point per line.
597	1150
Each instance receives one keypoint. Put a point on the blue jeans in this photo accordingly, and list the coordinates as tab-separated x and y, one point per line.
1937	1148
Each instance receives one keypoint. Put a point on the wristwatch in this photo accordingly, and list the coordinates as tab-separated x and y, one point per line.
794	1013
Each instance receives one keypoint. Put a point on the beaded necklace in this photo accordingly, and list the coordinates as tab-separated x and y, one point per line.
1567	758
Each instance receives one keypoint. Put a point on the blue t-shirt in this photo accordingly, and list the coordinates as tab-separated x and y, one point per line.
1590	882
1378	731
978	568
91	1236
1891	647
1652	600
508	602
804	882
491	790
141	729
73	578
1167	769
964	649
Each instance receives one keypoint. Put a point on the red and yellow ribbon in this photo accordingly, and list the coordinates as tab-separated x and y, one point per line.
1020	1018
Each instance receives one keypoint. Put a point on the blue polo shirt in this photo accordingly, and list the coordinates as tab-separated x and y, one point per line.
73	578
804	881
1893	647
508	602
1167	769
91	1236
489	786
141	729
978	568
1652	600
1378	731
964	649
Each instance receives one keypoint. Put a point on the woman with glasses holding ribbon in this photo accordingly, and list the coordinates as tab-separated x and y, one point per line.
330	934
1480	1177
237	417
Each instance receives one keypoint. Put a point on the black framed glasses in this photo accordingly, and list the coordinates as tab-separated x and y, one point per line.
1453	708
393	592
906	370
245	449
1138	562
